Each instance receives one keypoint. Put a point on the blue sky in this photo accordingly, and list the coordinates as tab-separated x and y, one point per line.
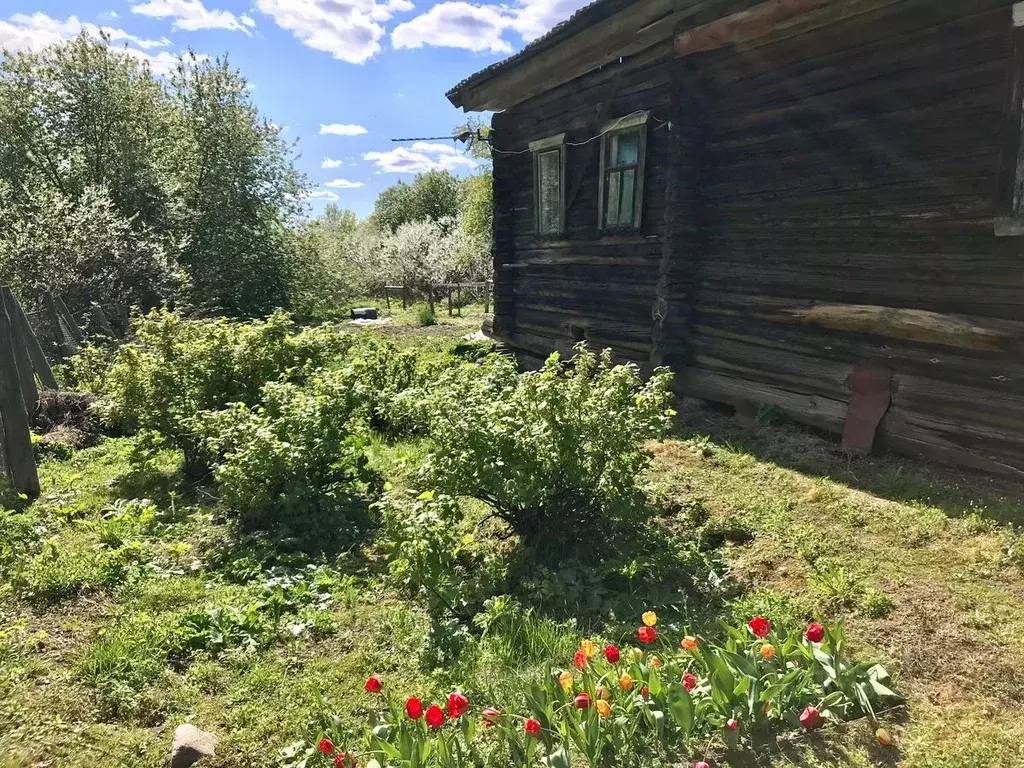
343	76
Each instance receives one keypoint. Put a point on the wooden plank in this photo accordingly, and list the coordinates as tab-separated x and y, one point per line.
1009	220
35	350
29	391
17	434
743	26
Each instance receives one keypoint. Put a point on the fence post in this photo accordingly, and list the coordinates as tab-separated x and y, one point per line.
35	349
487	297
458	298
98	319
387	297
405	296
450	312
53	316
430	297
17	436
27	382
73	327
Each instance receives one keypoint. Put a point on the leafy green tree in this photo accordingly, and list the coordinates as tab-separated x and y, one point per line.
190	165
328	268
84	250
434	196
81	115
240	190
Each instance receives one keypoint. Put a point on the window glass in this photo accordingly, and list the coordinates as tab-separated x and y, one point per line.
612	208
627	148
549	191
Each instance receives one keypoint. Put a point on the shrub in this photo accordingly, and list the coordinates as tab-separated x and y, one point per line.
427	317
175	368
297	464
551	451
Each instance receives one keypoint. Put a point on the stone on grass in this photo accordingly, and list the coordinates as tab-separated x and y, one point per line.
191	745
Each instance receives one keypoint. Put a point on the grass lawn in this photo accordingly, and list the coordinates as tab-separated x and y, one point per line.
923	565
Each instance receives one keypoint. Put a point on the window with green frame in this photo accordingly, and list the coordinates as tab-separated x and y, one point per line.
621	194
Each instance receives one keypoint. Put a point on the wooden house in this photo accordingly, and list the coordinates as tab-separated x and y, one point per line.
816	205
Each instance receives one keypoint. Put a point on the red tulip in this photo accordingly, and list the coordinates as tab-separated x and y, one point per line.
435	716
647	635
760	626
580	660
458	705
815	633
326	746
645	691
732	724
532	727
701	764
491	716
689	681
345	760
582	701
414	708
810	718
373	684
611	653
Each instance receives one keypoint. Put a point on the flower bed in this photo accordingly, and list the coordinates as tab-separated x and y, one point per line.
615	705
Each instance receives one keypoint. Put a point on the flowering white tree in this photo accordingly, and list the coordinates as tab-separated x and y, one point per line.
421	254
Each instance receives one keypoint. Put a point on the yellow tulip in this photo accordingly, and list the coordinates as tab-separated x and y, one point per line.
603	708
689	643
587	646
767	651
884	737
626	682
565	680
650	618
635	654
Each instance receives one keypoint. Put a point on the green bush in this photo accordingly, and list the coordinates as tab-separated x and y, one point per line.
297	464
552	451
427	317
174	368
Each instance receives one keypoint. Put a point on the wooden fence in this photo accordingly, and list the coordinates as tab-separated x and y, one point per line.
25	371
453	292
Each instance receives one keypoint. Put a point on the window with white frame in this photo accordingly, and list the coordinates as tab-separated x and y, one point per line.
549	184
623	147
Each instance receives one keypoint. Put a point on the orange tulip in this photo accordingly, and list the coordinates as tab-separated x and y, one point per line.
626	682
689	643
565	680
767	651
603	708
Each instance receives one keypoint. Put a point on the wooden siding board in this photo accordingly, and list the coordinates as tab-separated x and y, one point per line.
851	164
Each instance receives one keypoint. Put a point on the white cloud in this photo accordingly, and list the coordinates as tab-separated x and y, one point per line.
437	149
341	129
344	184
456	25
321	194
22	32
405	160
329	163
349	30
482	28
191	15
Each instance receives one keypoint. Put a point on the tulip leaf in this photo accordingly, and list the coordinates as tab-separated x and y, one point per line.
680	705
558	759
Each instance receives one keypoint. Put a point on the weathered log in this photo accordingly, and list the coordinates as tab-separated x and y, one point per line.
17	435
40	364
29	391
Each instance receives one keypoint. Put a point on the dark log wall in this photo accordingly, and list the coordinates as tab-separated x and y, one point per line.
550	292
834	210
856	165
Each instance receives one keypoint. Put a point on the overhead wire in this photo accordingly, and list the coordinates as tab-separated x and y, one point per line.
610	128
